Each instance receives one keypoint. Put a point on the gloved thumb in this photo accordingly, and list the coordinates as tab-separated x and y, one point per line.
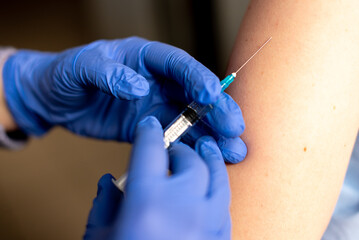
110	77
105	208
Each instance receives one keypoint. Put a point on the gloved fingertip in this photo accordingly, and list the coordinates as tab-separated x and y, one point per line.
234	150
149	128
207	146
106	178
132	86
226	117
210	93
232	157
104	182
149	121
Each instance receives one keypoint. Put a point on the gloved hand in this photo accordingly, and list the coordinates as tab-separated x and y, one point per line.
104	88
105	210
192	203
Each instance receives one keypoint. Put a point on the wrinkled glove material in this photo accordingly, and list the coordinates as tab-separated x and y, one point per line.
192	203
105	88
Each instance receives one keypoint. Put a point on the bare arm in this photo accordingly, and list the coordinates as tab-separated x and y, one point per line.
6	119
300	100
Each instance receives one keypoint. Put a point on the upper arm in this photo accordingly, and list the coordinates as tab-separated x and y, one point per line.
6	120
300	101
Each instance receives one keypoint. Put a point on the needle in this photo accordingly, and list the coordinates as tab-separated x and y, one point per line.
188	118
239	69
230	78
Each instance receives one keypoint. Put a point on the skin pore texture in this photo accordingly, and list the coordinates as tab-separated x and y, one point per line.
300	102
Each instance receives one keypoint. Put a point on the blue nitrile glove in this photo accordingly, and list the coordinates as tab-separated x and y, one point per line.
192	203
104	88
105	209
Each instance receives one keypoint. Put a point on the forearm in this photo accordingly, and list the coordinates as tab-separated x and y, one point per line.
300	102
6	119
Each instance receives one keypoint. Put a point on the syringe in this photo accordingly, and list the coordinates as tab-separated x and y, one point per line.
189	117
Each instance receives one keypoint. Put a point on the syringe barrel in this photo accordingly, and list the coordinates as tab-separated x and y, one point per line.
184	121
200	109
176	129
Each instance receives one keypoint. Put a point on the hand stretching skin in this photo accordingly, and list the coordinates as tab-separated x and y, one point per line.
104	88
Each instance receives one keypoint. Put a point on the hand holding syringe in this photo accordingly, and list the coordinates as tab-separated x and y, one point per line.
189	117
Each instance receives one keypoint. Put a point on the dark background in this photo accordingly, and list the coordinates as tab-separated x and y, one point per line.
46	190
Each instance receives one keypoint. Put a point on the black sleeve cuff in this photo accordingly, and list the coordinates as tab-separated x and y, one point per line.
14	140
